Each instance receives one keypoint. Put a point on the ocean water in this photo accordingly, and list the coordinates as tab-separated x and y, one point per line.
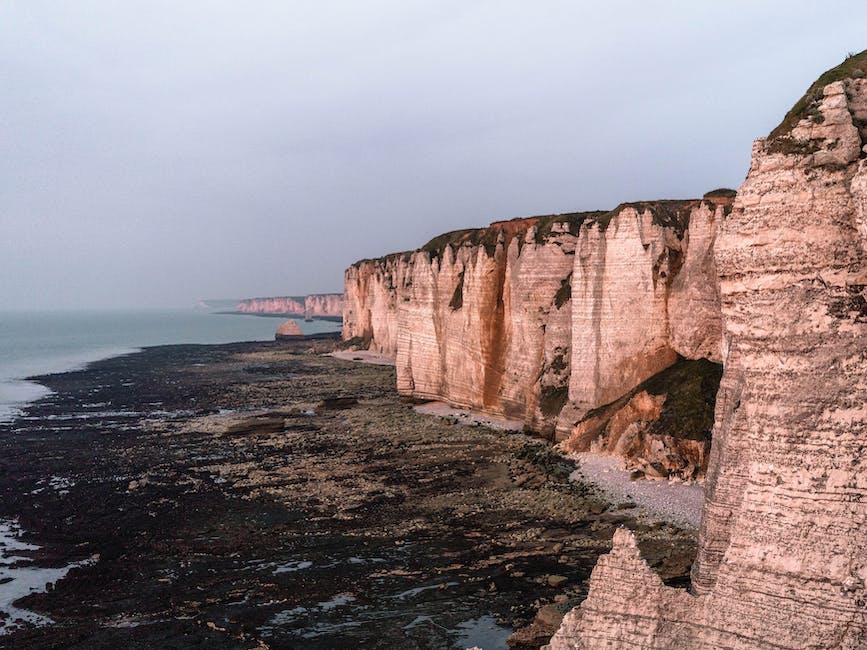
44	342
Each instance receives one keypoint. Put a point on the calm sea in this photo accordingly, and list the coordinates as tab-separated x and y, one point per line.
43	342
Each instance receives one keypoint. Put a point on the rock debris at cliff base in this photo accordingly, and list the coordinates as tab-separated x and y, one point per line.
227	507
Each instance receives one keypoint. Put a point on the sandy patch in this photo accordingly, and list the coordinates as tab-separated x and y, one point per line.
363	356
468	417
678	502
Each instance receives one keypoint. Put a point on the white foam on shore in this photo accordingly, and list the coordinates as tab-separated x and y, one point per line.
677	502
17	391
20	578
363	356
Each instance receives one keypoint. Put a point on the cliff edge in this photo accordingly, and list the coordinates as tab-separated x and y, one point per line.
782	558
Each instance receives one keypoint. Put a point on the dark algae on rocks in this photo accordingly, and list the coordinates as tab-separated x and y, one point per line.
263	495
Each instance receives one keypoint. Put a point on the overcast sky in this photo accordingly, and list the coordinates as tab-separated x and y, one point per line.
154	153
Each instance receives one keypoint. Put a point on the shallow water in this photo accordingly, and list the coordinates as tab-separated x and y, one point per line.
19	577
45	342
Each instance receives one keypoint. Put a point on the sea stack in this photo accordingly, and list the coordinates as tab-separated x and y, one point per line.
288	331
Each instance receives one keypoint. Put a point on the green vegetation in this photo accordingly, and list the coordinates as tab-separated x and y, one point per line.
668	214
358	342
488	237
807	106
791	146
457	300
553	399
574	220
558	363
436	246
691	388
564	293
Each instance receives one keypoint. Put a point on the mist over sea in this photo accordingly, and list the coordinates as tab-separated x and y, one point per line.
44	342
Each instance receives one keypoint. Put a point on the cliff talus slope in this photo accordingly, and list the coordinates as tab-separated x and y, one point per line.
782	556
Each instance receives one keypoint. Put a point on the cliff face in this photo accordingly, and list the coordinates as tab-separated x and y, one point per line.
293	305
643	292
484	319
782	556
370	302
320	305
323	305
544	319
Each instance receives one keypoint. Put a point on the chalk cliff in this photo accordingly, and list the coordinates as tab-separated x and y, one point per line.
782	558
292	305
545	319
370	302
484	319
323	305
319	305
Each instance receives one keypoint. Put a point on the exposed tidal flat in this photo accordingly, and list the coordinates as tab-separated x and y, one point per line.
267	495
51	341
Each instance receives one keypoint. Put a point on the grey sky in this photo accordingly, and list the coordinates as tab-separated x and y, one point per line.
152	153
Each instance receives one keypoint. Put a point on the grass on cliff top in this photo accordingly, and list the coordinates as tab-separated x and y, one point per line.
721	192
671	213
404	255
855	65
488	237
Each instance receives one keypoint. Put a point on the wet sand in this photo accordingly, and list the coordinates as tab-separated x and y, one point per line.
265	495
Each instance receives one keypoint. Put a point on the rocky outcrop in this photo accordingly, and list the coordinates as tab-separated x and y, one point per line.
288	305
325	306
661	428
782	558
288	331
644	292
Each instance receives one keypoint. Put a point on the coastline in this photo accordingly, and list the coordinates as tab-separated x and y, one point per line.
222	468
37	343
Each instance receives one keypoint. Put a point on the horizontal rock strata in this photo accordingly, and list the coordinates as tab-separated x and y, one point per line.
371	289
782	558
288	330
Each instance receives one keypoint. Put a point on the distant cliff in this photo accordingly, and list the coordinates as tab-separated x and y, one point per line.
327	306
321	305
288	305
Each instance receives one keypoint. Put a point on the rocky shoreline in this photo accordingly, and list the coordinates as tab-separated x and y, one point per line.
267	495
